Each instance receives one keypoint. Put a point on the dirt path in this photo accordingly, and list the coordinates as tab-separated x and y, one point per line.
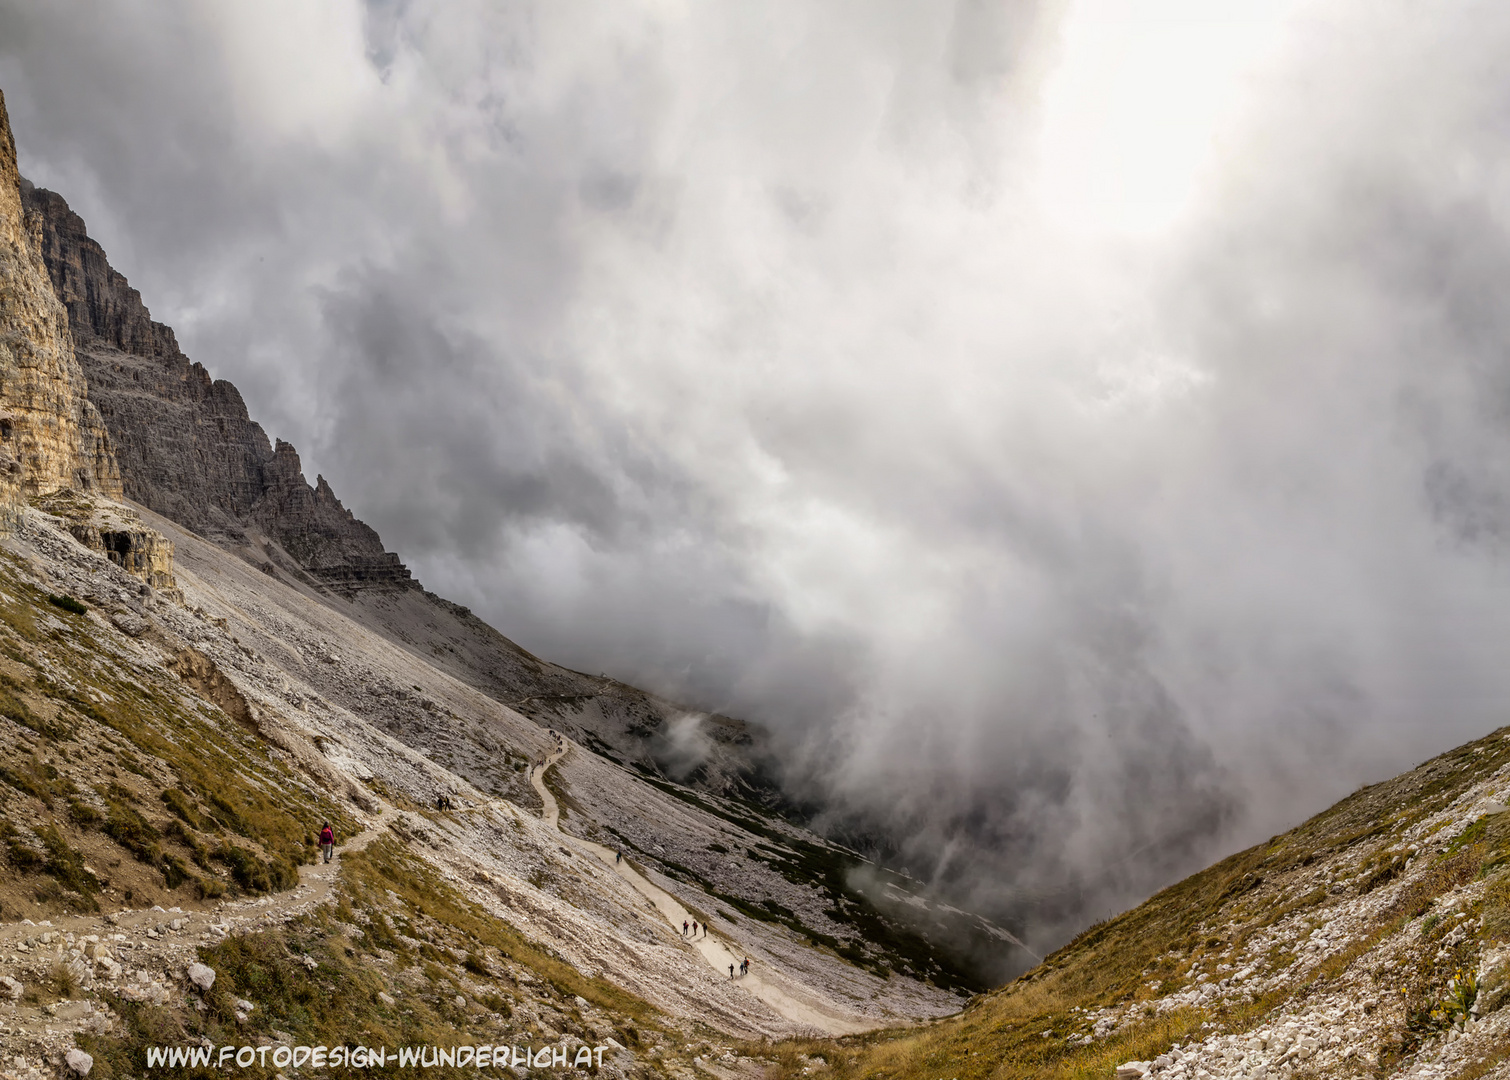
315	883
143	949
783	998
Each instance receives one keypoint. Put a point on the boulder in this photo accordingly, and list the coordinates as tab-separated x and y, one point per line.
201	976
130	623
11	988
79	1062
81	972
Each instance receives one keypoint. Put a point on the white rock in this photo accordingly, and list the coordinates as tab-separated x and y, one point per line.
386	998
79	1062
81	972
11	988
1132	1070
201	976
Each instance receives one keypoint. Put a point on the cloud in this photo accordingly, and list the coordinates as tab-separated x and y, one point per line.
1086	449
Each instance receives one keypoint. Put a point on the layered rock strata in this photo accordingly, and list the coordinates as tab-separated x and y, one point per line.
186	445
51	435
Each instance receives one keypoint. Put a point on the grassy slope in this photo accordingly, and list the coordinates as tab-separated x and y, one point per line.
120	789
397	927
1205	917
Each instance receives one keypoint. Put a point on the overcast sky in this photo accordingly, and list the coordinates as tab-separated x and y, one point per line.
1084	427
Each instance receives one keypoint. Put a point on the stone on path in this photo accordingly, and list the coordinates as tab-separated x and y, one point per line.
82	974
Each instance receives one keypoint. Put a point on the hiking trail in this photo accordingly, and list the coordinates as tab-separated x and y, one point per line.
783	997
149	943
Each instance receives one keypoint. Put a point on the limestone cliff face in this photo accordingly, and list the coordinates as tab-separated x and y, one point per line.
51	436
186	446
316	529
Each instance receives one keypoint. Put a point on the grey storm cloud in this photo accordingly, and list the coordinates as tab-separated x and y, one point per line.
1083	436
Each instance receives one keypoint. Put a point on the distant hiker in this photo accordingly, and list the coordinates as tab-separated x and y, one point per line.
440	801
684	928
694	928
618	857
327	840
731	971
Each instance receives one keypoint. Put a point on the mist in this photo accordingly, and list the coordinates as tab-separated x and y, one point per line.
1079	430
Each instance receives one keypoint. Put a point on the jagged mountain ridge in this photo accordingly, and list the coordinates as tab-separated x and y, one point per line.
187	447
189	450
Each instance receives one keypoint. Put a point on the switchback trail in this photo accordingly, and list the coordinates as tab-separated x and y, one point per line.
784	999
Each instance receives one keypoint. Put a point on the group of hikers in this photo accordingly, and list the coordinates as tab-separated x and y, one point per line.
693	927
443	801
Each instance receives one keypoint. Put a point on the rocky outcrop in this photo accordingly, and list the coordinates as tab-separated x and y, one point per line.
51	436
327	539
118	533
187	447
200	672
142	553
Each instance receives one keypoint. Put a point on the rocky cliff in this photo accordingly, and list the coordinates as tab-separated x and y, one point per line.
51	436
186	445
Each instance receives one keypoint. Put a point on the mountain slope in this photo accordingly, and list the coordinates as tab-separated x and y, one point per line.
1372	940
189	451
